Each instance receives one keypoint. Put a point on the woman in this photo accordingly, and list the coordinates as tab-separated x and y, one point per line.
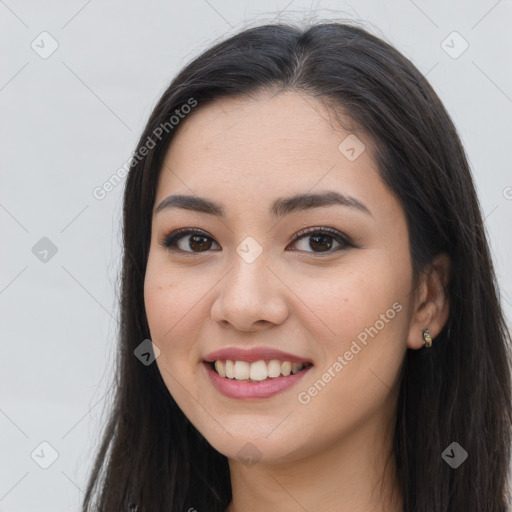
304	248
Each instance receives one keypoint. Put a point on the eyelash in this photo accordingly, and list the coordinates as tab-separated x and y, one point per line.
170	240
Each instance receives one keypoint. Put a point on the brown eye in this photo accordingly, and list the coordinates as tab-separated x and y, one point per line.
198	241
316	240
321	240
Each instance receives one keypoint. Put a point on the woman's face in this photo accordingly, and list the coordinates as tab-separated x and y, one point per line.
240	290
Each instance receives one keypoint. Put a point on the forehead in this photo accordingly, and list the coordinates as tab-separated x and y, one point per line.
289	124
251	149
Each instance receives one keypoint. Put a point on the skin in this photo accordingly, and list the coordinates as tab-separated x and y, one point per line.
328	454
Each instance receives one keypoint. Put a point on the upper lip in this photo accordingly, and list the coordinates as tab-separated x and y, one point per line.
253	354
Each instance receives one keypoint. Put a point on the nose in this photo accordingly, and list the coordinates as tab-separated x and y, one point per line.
250	297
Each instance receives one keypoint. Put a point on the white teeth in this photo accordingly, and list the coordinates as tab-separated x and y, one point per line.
274	368
257	371
230	369
221	369
286	368
242	370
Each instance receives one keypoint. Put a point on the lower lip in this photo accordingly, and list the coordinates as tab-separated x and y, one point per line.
246	390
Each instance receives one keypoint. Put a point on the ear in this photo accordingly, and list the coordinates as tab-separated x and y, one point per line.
431	305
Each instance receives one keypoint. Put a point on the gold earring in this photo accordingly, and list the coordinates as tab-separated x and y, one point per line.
427	337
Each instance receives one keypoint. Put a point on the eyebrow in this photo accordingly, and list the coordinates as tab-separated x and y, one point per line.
279	208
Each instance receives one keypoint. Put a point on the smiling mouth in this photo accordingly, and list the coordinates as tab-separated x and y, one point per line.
257	371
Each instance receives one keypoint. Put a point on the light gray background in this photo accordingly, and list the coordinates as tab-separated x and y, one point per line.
70	120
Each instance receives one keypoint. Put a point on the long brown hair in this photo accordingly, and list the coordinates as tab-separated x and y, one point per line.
152	459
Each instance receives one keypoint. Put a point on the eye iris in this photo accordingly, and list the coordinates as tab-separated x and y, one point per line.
314	238
200	237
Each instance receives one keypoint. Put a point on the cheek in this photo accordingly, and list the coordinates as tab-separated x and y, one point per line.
348	300
166	301
359	365
157	303
175	313
168	314
362	316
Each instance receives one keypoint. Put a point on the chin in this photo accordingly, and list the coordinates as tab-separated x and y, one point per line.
249	439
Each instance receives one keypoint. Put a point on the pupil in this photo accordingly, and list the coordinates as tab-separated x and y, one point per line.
322	239
195	237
